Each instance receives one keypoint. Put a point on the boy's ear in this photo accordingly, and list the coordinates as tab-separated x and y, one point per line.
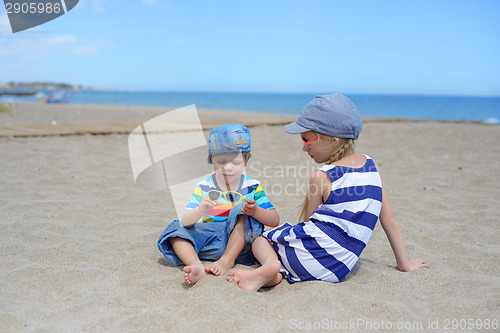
246	156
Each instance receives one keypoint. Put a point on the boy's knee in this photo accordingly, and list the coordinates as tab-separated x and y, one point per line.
239	226
178	240
173	239
240	223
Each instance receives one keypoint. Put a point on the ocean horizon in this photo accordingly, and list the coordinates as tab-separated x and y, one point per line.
430	107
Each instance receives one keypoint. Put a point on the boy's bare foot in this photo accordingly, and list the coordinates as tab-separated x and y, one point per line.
220	267
193	273
257	278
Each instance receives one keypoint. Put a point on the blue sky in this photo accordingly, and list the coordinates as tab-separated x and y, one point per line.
319	46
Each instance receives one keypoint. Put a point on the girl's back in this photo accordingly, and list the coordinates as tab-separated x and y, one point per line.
354	202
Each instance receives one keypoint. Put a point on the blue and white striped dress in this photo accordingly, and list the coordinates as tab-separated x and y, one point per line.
328	245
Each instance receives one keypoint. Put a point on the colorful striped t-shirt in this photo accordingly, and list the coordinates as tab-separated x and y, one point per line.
249	188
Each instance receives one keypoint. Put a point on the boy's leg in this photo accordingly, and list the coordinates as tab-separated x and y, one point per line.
194	270
266	275
235	245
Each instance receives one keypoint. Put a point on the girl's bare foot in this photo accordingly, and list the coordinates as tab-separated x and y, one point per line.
220	267
264	276
193	273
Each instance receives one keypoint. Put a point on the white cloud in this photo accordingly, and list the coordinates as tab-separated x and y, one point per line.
33	47
85	49
61	39
97	5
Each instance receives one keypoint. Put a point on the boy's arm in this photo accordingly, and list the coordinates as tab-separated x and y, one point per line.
190	217
395	237
267	217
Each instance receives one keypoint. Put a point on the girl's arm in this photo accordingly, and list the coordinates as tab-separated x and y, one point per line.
319	187
395	237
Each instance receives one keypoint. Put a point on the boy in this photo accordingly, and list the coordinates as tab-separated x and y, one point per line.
233	208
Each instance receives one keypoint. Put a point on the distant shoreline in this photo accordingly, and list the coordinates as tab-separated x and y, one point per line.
36	113
476	109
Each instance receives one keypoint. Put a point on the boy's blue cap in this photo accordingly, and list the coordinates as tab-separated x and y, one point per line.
333	115
229	139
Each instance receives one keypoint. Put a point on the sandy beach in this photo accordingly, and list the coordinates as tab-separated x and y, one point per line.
78	237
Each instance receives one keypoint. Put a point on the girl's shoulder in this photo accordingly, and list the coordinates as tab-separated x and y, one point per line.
361	161
326	167
370	164
338	171
367	157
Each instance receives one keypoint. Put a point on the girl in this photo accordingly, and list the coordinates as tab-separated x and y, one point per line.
346	198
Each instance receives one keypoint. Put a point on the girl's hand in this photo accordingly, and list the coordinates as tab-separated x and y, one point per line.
206	204
413	264
250	207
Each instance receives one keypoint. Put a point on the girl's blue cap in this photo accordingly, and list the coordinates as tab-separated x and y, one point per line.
333	115
229	139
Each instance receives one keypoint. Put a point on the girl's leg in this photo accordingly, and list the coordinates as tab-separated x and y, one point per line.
194	269
266	275
235	245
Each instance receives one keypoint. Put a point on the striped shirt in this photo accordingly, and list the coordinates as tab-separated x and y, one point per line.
249	188
328	245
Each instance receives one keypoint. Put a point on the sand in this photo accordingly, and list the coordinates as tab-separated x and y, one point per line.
78	237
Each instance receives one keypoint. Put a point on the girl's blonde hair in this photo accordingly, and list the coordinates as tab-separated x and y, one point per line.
337	155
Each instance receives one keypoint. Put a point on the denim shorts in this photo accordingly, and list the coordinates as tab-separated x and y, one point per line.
210	239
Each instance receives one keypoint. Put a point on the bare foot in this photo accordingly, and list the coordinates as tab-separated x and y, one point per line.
220	267
255	279
193	273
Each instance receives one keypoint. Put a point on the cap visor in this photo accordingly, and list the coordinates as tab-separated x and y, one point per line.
295	128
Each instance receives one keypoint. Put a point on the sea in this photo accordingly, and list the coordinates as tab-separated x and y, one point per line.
454	108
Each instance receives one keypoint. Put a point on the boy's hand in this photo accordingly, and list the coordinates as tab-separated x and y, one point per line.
206	204
250	207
